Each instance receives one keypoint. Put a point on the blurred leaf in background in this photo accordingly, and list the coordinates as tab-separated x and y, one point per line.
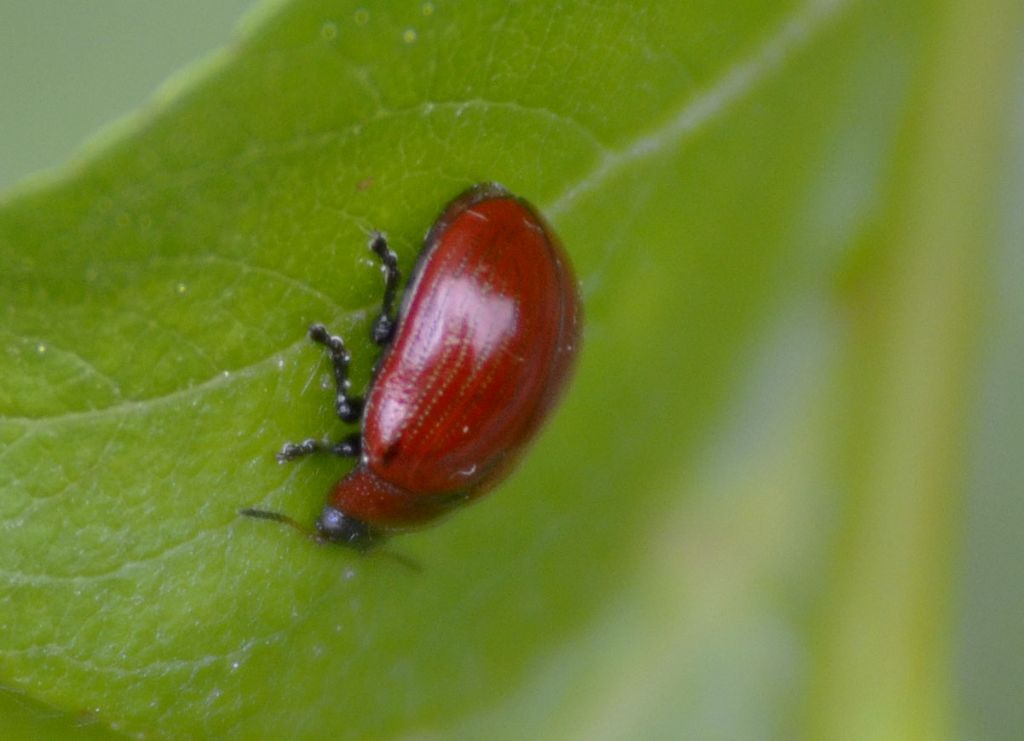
782	498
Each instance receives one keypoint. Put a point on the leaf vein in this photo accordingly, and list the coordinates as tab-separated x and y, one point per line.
738	81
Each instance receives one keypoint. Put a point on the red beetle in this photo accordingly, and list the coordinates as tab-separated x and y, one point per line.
481	350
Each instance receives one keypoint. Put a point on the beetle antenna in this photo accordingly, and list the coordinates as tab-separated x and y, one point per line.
409	563
265	514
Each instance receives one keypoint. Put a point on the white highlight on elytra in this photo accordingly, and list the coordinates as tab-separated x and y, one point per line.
738	81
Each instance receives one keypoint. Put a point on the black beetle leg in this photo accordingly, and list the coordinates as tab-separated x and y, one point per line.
384	326
349	447
349	408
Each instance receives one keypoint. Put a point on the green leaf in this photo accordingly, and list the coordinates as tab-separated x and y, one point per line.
746	191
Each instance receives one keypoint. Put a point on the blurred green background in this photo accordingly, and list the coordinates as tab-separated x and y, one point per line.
886	461
73	67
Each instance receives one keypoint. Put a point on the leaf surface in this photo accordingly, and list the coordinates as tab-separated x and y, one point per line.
719	174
